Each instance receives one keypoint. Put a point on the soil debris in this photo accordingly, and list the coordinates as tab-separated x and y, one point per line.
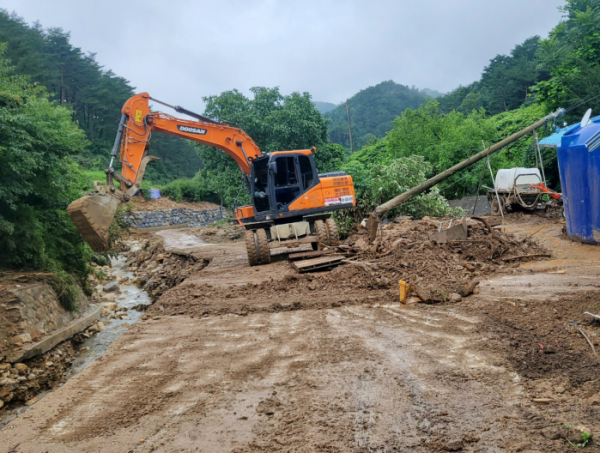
157	270
138	203
437	273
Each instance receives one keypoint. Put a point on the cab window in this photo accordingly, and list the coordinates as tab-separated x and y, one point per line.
286	172
306	172
286	181
261	185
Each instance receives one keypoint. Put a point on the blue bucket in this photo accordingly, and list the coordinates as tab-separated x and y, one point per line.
579	166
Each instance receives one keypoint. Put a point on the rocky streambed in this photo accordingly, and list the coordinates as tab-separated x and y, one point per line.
24	384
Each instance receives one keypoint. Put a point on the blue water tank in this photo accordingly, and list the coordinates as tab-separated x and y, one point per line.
579	166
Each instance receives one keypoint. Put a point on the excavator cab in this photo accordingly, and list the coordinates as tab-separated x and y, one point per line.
279	179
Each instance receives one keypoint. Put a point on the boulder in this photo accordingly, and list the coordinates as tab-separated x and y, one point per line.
111	287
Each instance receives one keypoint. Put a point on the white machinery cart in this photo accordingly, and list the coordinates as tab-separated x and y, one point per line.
513	187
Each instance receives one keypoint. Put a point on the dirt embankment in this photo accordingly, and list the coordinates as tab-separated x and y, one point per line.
157	270
138	203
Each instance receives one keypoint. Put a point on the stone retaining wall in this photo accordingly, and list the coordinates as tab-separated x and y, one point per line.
467	203
171	217
29	312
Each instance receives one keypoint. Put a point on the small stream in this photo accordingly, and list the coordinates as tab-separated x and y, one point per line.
129	296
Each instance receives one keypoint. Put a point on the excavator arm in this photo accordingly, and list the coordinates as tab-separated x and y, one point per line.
93	214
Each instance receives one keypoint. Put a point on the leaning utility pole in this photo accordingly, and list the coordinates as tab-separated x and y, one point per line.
373	222
349	127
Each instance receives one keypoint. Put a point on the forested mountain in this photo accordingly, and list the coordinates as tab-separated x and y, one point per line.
372	111
514	91
95	95
324	107
505	83
559	71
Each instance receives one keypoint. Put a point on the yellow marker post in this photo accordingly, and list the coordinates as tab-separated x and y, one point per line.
403	291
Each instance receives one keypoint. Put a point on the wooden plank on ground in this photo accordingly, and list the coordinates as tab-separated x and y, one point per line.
317	263
311	254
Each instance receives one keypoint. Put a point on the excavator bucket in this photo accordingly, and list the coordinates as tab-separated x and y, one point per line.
92	216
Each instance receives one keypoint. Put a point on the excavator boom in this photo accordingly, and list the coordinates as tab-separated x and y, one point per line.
93	214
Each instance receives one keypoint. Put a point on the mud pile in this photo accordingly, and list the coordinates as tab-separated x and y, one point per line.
370	274
157	270
216	234
438	272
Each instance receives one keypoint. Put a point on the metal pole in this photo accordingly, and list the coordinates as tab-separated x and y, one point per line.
539	153
495	188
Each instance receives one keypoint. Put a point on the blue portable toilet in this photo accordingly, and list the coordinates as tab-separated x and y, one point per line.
579	166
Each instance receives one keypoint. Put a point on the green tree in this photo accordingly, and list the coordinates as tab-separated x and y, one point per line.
38	178
572	55
94	95
378	177
447	139
276	123
505	84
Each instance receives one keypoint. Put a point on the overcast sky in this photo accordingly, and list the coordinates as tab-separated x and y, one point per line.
180	51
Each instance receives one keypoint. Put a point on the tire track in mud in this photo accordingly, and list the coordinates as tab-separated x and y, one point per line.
358	378
443	405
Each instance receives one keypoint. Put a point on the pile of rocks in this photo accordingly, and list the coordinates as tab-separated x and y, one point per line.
21	382
107	286
177	216
111	310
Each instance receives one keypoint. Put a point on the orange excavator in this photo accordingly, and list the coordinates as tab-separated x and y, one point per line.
291	201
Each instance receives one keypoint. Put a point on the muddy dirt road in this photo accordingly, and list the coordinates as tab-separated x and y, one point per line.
339	372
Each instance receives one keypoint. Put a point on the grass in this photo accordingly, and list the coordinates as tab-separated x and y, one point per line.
66	289
223	221
99	175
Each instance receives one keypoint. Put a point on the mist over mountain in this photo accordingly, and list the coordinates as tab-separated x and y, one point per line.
372	112
324	107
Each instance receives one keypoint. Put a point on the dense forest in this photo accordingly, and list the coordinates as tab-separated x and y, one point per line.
94	96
